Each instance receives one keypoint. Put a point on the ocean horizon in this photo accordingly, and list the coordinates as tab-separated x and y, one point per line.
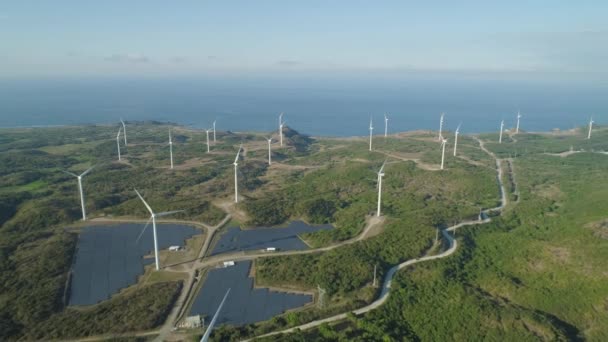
314	107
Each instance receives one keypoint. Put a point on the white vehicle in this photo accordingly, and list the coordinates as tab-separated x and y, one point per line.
271	249
175	248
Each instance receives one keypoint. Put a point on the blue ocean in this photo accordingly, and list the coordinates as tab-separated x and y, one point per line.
324	107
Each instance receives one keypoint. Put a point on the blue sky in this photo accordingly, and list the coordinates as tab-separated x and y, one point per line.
83	38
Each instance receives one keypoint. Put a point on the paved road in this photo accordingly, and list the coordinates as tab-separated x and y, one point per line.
386	286
178	308
188	292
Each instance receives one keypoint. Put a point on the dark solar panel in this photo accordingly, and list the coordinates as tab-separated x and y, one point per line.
286	238
109	259
244	304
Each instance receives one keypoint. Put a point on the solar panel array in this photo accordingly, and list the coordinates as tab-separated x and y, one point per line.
285	238
245	304
108	258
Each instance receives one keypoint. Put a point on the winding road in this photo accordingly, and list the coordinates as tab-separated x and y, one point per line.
188	291
386	285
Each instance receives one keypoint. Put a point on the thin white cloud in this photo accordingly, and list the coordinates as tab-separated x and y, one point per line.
179	60
566	51
127	58
288	63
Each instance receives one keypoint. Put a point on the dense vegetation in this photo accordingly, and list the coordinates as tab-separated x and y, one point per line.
139	310
33	273
345	192
535	273
38	200
417	203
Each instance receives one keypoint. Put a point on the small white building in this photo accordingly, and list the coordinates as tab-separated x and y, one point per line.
228	263
175	248
192	322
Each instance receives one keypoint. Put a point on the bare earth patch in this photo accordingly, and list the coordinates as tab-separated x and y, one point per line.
560	254
600	229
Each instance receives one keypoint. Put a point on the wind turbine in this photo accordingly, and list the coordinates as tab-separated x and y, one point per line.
502	125
380	175
207	131
84	212
590	127
371	130
281	123
517	126
205	337
236	186
214	131
269	151
443	142
153	217
440	137
385	125
456	138
124	129
171	148
118	143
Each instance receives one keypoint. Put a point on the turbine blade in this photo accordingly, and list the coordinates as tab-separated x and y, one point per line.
118	135
69	173
166	213
145	203
143	230
382	168
87	171
238	154
205	337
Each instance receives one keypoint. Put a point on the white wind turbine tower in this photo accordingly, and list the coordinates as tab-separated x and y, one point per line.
207	132
440	137
590	127
371	130
118	143
456	138
269	151
517	126
236	164
281	123
443	142
380	175
502	125
385	125
171	148
153	217
124	129
214	131
84	212
205	337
